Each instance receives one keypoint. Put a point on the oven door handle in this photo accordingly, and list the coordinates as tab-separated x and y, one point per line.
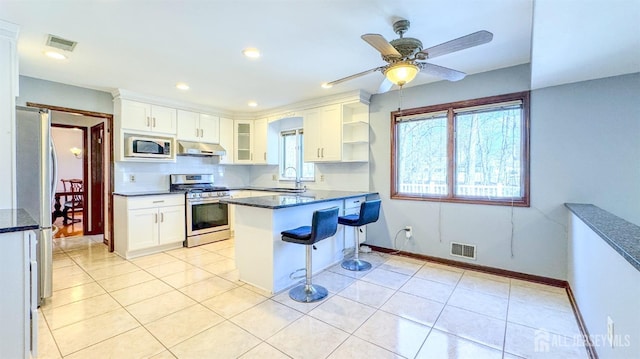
202	201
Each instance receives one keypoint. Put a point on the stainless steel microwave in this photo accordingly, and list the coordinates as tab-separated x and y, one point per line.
148	147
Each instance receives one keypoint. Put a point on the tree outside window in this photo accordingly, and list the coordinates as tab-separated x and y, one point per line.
471	151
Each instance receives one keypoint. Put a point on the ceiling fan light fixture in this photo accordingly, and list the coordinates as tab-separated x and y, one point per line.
401	73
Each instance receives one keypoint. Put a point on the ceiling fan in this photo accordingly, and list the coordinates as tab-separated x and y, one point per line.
404	56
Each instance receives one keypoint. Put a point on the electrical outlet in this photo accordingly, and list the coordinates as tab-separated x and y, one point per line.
132	178
408	231
274	177
321	178
610	333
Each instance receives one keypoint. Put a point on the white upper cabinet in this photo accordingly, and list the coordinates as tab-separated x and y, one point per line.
146	117
226	140
197	127
265	143
323	134
243	131
209	128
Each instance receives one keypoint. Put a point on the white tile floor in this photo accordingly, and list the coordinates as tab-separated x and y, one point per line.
188	303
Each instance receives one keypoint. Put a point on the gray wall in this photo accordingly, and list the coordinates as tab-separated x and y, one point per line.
584	148
58	94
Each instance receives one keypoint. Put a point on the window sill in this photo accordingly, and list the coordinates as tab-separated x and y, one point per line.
467	200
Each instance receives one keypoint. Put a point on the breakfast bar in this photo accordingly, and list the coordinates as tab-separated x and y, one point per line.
262	258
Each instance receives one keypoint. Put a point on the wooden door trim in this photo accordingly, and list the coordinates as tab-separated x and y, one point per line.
109	129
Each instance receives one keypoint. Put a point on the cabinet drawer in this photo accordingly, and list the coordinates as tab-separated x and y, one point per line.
350	203
155	201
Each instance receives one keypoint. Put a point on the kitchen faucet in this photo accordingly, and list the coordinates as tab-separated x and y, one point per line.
298	180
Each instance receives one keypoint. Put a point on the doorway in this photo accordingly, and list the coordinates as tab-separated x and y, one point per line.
70	143
98	169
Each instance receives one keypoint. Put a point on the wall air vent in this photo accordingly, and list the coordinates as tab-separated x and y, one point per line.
463	250
60	43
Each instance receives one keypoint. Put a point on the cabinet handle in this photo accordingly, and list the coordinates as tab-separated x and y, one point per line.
265	156
155	216
201	133
197	132
318	153
161	201
322	152
148	121
161	216
154	122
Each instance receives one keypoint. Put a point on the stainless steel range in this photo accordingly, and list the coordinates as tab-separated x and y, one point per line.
207	218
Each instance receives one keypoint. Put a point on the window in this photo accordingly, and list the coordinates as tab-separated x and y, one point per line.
473	151
291	161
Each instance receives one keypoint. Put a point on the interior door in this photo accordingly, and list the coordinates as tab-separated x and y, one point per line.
97	179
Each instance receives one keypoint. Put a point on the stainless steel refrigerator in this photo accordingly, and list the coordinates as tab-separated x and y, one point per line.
35	182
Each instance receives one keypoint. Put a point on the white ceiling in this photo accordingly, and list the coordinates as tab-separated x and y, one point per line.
148	46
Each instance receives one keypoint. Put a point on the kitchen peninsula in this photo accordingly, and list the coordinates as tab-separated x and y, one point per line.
262	258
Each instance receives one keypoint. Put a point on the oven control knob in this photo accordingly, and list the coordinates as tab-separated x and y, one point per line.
198	195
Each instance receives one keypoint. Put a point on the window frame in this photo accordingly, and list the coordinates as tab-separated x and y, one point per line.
298	133
450	108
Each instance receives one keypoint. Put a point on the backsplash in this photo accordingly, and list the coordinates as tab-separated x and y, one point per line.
353	176
155	176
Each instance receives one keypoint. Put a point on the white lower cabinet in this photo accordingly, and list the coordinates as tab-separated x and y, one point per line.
19	302
148	224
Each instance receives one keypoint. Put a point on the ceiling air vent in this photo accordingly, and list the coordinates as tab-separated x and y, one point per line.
463	250
60	43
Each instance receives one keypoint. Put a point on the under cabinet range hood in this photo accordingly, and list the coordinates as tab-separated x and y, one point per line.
186	148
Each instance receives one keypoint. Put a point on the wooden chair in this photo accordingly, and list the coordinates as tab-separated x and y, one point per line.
74	201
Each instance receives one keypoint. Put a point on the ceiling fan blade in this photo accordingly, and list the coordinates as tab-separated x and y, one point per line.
330	84
381	44
461	43
441	72
385	86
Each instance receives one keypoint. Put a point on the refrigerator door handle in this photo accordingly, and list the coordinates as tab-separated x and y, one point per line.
54	170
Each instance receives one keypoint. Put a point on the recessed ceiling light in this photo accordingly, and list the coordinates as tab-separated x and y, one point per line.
326	85
182	86
251	52
55	55
252	104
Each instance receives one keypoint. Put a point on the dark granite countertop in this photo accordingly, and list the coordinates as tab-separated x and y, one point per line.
147	193
622	236
16	220
295	199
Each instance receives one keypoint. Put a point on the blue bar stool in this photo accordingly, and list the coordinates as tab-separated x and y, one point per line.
324	224
369	213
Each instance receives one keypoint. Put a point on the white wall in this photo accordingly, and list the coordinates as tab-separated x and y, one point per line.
8	91
584	148
58	94
604	284
69	167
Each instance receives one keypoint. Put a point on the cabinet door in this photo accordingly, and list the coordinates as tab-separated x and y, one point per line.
163	119
226	140
243	141
171	227
331	133
260	141
143	228
136	115
188	126
209	129
311	139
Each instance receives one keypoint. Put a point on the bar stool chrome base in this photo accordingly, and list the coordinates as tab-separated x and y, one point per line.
356	265
308	293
